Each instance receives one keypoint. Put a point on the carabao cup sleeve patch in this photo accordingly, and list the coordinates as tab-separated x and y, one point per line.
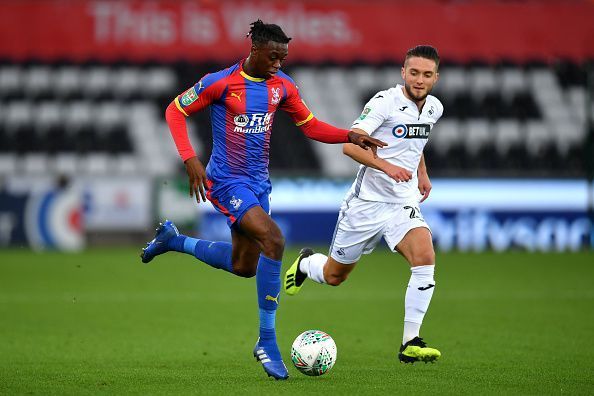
364	113
189	97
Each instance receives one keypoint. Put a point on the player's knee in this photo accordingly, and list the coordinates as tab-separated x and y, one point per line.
278	241
335	279
273	243
423	258
244	272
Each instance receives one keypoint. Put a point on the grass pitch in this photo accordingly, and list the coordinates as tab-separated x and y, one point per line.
102	322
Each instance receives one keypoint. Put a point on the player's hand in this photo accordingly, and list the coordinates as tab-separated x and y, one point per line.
197	178
397	173
366	142
424	185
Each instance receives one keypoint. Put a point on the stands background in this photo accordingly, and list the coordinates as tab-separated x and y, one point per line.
85	157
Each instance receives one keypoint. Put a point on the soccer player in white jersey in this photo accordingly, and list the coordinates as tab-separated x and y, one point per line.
384	198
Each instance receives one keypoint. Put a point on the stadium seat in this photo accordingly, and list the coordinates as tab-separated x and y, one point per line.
11	82
503	118
453	80
35	164
477	133
8	163
443	137
483	79
68	82
512	80
506	134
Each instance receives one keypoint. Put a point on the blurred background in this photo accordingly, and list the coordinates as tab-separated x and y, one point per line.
86	158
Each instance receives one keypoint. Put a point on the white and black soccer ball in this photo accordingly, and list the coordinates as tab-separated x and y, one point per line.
313	352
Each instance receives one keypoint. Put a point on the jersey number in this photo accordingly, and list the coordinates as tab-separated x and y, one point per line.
413	212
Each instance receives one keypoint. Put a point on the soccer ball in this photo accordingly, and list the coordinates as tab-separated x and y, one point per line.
313	352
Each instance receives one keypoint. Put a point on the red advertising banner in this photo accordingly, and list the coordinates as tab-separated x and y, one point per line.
342	31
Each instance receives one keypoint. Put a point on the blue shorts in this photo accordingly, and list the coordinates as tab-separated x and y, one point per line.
234	199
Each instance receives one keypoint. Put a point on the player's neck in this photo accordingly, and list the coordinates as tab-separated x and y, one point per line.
249	68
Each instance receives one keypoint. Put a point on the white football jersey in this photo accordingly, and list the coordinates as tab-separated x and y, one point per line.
392	117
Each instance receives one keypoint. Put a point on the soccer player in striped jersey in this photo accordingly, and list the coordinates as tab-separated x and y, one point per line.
384	198
243	100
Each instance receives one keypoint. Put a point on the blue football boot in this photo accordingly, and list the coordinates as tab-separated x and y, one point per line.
159	245
275	369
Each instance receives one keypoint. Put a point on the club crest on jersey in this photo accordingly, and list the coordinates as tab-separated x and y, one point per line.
275	96
189	96
411	131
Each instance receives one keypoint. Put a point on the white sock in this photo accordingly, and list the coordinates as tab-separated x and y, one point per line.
313	267
417	299
411	330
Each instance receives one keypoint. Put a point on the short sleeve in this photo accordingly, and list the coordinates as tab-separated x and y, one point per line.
205	92
439	109
374	113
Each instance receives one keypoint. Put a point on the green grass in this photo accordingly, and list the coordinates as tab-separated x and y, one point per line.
101	322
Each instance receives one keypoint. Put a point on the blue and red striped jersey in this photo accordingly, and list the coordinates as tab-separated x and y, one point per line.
242	112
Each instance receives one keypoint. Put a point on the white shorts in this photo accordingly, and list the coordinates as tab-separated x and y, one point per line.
361	224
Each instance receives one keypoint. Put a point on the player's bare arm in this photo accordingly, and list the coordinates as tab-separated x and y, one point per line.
366	142
424	182
366	158
197	178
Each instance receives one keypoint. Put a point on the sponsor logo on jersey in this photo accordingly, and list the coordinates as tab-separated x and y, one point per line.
253	123
364	113
241	120
400	131
189	97
275	96
411	131
236	95
403	108
235	202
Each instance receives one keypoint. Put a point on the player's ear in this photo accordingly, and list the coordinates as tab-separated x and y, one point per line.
254	49
403	72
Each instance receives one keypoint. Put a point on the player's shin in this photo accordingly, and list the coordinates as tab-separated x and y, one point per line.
268	284
416	302
215	254
313	267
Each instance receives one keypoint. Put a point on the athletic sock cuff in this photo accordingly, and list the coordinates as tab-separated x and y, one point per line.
270	261
423	269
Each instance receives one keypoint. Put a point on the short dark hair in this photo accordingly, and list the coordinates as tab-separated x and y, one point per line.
264	32
423	51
